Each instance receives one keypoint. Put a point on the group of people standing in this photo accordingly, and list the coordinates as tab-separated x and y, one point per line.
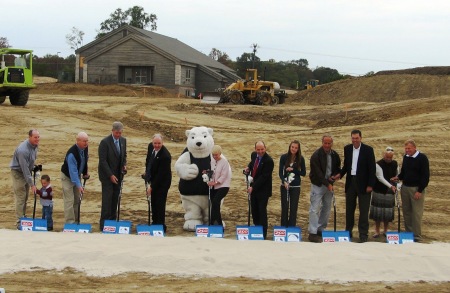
370	185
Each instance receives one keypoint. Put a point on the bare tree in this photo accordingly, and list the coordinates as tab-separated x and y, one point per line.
4	43
75	39
220	56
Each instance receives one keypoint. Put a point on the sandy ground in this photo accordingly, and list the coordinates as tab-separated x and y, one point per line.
236	128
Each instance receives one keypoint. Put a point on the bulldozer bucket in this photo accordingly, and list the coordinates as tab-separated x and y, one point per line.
210	97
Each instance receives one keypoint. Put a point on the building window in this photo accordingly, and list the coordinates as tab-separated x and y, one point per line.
136	74
188	76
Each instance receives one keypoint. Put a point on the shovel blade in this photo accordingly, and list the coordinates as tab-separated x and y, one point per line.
335	236
150	230
249	233
29	224
77	228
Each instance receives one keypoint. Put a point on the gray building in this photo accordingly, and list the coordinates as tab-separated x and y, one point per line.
129	55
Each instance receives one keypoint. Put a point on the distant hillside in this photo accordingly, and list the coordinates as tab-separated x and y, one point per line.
377	88
430	70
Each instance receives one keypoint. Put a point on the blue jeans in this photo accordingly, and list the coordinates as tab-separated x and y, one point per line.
47	213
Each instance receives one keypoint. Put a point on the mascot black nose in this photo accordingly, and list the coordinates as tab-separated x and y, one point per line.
198	143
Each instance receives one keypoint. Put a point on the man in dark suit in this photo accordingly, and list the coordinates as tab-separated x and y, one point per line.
260	168
359	165
158	174
112	166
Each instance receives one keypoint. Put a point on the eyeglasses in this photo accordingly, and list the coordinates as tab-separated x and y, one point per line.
389	149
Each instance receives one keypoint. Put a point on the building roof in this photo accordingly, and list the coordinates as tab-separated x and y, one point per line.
180	50
170	46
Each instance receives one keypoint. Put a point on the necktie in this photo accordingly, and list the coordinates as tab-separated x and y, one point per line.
255	166
83	161
116	142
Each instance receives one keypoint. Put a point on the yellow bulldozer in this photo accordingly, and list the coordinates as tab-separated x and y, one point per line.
312	83
250	90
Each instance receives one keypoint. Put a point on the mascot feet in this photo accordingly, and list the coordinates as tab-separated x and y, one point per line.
190	225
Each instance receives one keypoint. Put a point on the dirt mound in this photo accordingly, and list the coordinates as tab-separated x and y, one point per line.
378	88
100	90
43	79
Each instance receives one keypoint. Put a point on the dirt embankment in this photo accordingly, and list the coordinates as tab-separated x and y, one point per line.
45	86
378	88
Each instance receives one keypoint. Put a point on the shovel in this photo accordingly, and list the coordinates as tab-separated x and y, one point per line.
149	230
78	227
335	236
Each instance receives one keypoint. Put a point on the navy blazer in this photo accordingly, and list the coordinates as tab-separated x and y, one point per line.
110	162
262	181
365	170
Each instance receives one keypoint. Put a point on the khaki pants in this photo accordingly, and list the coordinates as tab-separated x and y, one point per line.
71	197
412	210
21	190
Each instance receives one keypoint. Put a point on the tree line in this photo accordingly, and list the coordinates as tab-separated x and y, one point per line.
290	74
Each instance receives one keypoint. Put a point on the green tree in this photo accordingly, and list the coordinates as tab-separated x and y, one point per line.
245	62
300	62
50	65
4	43
325	74
134	16
75	39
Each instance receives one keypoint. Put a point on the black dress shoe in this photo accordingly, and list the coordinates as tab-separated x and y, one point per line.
362	239
314	238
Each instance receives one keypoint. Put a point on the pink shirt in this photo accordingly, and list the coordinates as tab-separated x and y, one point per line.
222	172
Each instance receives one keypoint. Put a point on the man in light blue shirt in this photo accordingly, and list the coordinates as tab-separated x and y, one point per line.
22	165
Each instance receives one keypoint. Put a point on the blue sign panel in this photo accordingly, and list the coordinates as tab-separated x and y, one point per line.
212	231
152	230
335	236
249	233
399	238
287	234
117	227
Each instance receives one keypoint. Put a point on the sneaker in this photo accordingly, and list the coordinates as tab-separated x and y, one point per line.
314	238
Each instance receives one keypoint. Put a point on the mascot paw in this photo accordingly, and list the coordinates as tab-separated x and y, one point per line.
190	225
191	172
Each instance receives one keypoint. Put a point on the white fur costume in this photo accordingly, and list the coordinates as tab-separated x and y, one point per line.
199	144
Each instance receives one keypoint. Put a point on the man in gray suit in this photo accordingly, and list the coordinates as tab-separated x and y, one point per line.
112	165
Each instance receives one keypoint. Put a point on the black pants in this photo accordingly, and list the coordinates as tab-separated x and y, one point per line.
158	205
294	196
259	211
110	197
351	196
216	197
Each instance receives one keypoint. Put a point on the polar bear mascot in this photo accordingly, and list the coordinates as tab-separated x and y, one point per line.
189	166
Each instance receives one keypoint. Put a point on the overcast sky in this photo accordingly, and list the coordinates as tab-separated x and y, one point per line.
352	36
